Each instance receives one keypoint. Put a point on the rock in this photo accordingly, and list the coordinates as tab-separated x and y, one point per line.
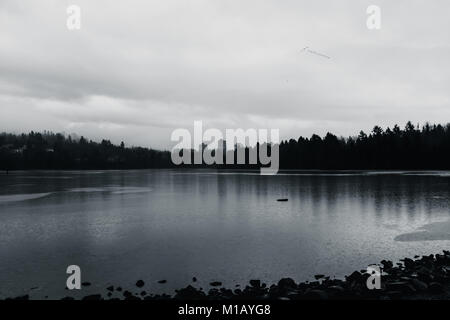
354	277
214	292
110	288
283	299
194	279
409	263
255	283
86	284
419	285
67	298
109	294
319	276
215	284
436	287
226	292
336	289
316	294
394	294
282	200
143	293
189	293
162	281
127	294
132	297
402	286
425	274
294	295
140	283
287	284
93	297
387	264
119	289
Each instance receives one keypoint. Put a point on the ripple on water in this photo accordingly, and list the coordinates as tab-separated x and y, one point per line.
22	197
113	190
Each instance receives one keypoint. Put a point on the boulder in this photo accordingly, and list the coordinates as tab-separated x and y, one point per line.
435	287
189	293
255	283
287	284
419	285
140	283
316	294
215	284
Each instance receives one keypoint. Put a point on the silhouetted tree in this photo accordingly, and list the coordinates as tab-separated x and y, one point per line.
411	148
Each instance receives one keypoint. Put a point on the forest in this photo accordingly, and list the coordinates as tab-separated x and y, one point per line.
408	148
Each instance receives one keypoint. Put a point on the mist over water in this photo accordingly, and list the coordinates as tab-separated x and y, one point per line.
121	226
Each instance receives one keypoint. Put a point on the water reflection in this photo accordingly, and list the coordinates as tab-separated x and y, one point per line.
123	225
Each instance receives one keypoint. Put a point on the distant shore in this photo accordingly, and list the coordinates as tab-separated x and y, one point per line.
426	277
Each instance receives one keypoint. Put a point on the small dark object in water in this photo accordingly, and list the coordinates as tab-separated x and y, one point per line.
140	283
282	200
162	281
194	279
215	284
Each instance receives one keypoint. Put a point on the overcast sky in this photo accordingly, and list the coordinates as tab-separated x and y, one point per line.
139	69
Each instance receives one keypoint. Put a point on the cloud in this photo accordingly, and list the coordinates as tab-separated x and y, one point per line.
139	69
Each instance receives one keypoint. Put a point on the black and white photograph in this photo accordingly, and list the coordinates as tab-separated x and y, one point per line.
224	158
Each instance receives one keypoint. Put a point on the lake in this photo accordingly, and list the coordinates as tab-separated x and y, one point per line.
121	226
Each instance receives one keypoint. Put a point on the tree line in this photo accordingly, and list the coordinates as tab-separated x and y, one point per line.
410	148
57	151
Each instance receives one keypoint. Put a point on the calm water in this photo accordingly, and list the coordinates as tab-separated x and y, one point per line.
122	226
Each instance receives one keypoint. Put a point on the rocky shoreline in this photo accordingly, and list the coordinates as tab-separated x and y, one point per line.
426	277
